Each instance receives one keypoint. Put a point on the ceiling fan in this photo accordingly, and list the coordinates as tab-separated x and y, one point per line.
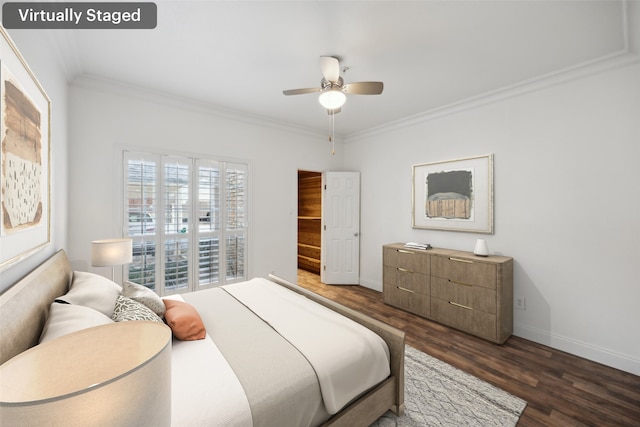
333	89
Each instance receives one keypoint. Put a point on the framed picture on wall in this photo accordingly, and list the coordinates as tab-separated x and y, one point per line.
455	195
25	114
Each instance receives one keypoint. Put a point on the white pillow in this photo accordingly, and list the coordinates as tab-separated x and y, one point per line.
66	318
93	291
145	296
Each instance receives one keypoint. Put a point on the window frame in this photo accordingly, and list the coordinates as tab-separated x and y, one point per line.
193	232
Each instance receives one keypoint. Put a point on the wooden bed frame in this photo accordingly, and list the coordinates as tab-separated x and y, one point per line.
25	306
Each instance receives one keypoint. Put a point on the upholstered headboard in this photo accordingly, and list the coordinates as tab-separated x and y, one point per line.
24	307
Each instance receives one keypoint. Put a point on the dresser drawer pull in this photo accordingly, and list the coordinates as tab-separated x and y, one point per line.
461	260
459	283
404	270
405	289
402	251
460	305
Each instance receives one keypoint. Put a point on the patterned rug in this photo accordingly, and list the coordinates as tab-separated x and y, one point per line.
437	394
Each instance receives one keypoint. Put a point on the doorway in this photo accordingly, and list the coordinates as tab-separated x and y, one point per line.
329	225
309	221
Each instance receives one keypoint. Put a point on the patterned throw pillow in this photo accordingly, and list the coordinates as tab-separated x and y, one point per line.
144	295
128	309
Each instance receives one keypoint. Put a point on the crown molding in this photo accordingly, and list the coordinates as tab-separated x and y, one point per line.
628	55
620	59
64	45
108	86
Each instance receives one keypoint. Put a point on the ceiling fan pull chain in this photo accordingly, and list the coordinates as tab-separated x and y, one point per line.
332	138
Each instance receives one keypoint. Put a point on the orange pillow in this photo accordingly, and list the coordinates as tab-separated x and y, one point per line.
184	320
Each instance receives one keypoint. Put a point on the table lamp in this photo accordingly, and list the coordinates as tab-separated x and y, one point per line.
111	252
111	376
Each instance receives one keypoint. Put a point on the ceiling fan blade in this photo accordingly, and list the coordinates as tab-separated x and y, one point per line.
301	91
364	88
330	68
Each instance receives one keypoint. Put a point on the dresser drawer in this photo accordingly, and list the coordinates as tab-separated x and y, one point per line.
408	259
406	299
472	321
464	270
475	297
399	276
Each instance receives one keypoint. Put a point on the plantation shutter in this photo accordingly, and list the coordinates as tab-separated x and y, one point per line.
208	248
236	221
140	205
176	211
187	218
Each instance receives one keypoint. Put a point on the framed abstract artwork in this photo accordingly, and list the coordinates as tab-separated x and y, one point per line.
455	195
25	111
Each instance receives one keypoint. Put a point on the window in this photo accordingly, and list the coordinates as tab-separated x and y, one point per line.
188	221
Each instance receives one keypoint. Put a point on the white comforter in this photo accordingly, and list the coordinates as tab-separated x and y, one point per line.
357	358
207	391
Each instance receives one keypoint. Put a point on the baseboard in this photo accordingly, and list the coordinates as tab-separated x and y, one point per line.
376	286
588	351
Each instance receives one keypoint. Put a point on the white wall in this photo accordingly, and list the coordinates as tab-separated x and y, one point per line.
567	205
38	51
107	117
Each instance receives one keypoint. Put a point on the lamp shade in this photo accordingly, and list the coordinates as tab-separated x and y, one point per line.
111	375
332	99
110	252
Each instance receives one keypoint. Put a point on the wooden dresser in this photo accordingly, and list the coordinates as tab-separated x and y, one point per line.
459	289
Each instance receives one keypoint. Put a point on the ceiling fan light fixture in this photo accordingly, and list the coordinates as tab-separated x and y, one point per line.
332	99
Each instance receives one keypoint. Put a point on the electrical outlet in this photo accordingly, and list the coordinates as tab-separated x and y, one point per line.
520	303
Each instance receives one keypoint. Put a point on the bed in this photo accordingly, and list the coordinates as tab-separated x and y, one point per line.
256	348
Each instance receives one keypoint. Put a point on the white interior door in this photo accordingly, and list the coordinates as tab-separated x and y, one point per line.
340	254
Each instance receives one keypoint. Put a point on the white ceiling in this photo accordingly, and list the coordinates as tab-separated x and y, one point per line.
241	55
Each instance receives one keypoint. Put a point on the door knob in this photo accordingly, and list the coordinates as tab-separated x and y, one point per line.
355	234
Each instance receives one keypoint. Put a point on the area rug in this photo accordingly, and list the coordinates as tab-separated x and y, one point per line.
437	394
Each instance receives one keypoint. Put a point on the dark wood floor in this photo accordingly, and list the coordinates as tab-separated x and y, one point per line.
560	389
